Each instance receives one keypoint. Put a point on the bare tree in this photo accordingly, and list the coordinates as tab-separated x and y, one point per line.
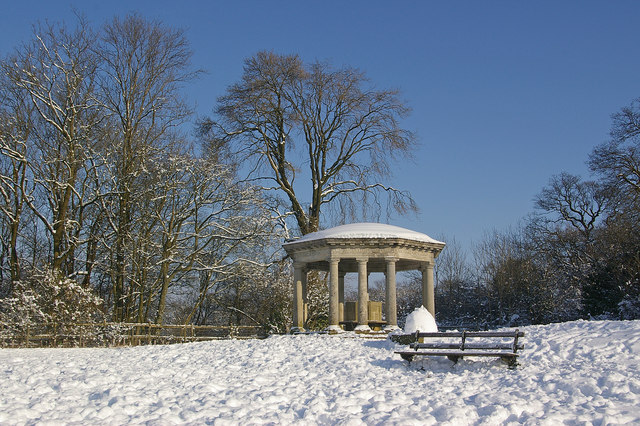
569	211
566	233
145	65
619	159
514	286
204	219
568	200
15	127
55	74
451	268
454	285
615	283
283	114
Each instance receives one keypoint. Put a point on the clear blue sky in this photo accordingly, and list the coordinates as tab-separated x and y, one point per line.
504	94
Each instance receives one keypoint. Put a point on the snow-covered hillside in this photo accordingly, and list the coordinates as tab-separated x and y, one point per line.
573	373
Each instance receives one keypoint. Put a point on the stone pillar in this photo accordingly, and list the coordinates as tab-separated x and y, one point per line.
428	295
391	311
341	296
334	315
298	304
363	296
305	297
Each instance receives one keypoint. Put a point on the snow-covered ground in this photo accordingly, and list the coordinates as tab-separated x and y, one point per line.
574	373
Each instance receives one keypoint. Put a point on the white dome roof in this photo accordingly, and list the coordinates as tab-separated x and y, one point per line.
368	230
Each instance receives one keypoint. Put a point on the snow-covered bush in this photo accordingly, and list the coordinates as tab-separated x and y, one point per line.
629	308
20	312
68	301
58	303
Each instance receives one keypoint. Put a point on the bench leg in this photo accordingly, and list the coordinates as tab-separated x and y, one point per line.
407	357
454	358
511	361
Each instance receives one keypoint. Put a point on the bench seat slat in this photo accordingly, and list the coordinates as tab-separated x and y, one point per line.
458	353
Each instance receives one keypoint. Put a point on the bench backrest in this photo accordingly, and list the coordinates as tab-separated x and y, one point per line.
478	346
460	334
464	335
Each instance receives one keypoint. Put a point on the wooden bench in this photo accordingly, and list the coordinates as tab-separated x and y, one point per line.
492	344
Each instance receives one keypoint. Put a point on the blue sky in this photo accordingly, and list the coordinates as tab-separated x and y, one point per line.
504	94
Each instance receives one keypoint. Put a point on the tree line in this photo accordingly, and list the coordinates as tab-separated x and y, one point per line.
576	256
108	209
116	204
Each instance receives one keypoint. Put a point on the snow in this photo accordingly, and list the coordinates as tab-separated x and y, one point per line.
367	230
420	319
573	373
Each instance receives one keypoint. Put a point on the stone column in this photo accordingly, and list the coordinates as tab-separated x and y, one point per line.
428	295
363	296
305	296
334	315
391	311
298	304
341	296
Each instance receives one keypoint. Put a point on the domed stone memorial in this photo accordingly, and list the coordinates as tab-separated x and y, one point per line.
363	248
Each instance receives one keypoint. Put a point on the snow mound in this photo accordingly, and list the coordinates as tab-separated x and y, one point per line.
420	319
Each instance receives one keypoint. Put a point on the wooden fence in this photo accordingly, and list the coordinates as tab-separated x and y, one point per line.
119	334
